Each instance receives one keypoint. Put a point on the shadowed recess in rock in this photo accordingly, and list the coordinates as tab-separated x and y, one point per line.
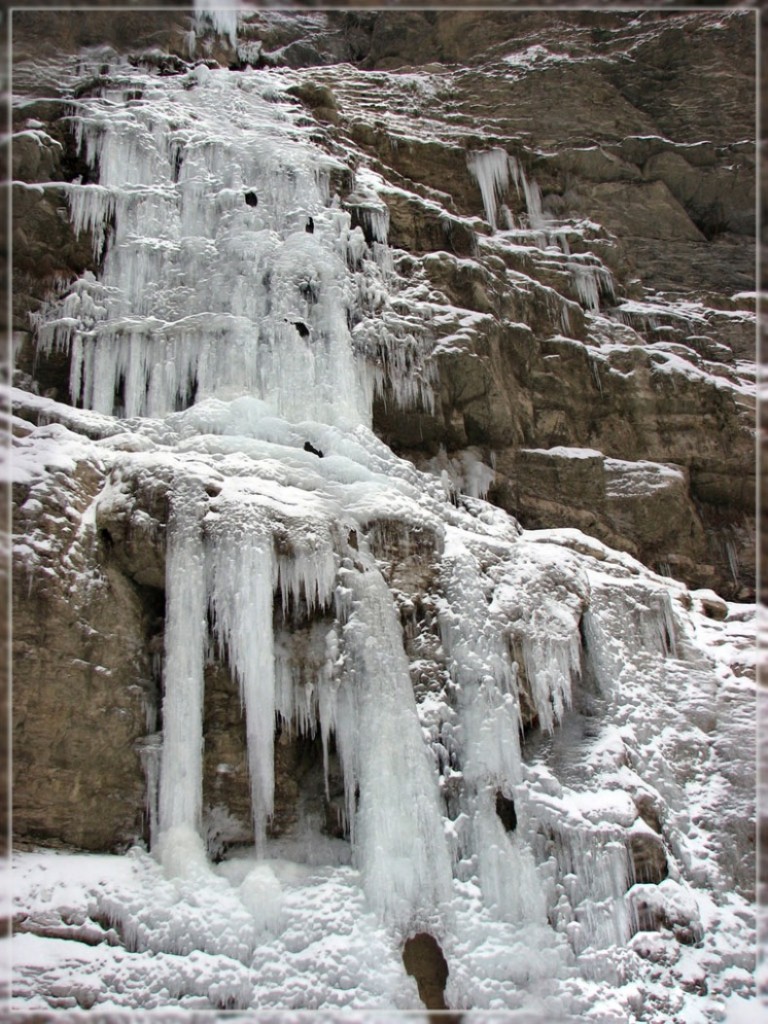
424	961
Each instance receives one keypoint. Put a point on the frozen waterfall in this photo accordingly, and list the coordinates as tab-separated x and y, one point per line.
203	293
416	676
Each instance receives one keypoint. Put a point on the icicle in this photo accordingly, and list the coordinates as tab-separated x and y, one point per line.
551	663
310	574
150	752
242	574
224	20
593	871
91	208
591	281
490	169
586	285
595	371
733	561
531	194
375	220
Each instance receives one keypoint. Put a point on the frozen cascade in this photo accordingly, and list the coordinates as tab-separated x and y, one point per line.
489	714
276	336
482	670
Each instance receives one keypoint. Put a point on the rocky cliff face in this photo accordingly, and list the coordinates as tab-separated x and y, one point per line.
535	233
651	186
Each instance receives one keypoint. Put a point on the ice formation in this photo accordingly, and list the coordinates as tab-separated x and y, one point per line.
202	294
187	359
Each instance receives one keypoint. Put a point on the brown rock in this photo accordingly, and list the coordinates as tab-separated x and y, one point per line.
83	681
424	960
647	859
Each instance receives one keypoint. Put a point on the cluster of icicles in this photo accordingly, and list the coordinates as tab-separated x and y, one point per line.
494	169
212	282
223	559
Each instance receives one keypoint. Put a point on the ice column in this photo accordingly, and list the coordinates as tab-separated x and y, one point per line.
481	667
185	637
399	840
489	713
242	570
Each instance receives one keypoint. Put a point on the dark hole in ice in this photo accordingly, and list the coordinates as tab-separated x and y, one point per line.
106	539
177	159
505	808
423	960
310	290
301	328
119	396
309	227
315	451
184	399
251	198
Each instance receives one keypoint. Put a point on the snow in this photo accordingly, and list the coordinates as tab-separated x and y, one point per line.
566	452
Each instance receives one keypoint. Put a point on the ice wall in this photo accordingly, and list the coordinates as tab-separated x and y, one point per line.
212	283
213	293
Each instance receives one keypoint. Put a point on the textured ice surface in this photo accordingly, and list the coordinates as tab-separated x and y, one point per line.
202	294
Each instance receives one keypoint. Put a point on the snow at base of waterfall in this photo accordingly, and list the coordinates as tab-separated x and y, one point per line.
113	933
